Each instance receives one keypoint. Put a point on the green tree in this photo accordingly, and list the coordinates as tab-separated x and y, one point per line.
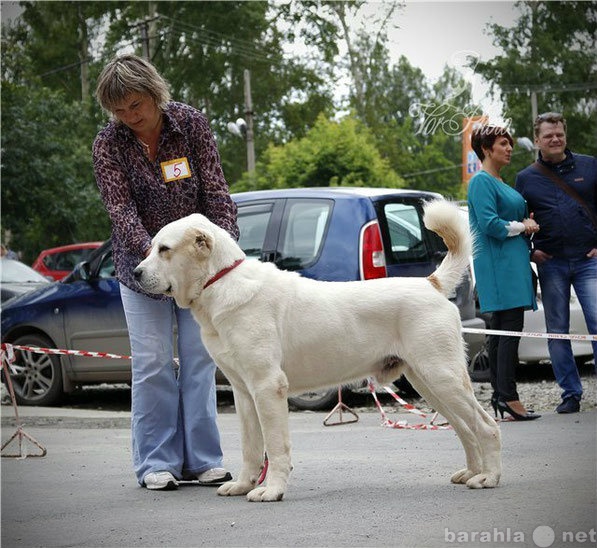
203	49
195	44
331	154
335	27
418	125
550	51
58	43
48	191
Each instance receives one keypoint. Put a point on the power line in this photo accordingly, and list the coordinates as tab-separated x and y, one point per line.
215	40
548	88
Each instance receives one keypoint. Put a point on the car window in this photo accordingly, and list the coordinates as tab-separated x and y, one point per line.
409	240
304	226
66	260
253	221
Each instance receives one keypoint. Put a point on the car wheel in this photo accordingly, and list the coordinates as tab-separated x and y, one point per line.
478	367
36	378
315	400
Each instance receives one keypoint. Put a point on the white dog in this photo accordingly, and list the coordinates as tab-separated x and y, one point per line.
274	333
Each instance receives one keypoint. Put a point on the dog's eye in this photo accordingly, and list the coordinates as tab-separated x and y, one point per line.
163	249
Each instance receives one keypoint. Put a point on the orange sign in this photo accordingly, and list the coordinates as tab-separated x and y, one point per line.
470	162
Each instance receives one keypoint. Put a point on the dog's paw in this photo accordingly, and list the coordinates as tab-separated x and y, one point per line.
483	481
234	489
265	494
462	476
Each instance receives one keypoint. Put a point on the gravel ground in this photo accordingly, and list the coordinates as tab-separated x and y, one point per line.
544	395
536	387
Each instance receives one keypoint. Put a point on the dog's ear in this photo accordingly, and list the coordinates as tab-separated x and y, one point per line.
203	242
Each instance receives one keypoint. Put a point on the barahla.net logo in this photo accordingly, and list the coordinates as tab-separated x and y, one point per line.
543	536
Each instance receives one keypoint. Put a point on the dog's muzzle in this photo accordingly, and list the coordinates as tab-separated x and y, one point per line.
147	283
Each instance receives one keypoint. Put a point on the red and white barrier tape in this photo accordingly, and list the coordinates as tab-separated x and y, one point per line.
9	350
402	424
565	336
56	351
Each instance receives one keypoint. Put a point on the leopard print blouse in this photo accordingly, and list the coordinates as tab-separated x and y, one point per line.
135	191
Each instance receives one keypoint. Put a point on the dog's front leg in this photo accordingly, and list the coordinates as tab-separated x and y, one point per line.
272	407
252	447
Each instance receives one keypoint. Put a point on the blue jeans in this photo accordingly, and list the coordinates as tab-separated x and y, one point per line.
173	417
556	276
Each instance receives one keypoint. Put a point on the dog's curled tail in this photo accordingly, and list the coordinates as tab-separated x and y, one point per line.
445	219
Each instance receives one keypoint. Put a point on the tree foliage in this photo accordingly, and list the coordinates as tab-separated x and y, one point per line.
549	51
331	154
403	130
203	49
49	195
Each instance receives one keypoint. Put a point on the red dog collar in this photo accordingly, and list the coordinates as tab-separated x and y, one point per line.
223	272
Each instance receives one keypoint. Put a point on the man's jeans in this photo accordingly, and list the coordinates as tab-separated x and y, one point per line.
556	276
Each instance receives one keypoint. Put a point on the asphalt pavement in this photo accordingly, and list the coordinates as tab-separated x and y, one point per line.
358	484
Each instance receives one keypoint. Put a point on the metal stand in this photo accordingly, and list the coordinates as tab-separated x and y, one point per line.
20	434
339	408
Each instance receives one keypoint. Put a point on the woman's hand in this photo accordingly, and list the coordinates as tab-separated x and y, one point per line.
530	225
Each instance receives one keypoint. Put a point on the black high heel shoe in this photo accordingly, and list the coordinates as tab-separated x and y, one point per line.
494	404
504	407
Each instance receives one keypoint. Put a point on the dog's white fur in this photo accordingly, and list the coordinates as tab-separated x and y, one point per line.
274	333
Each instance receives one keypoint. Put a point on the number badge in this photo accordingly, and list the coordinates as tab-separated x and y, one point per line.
174	170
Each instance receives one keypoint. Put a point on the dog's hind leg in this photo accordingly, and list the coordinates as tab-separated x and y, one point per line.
252	447
450	392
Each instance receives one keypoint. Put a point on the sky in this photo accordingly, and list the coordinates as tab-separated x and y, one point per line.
432	34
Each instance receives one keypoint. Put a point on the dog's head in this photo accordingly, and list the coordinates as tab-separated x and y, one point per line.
184	255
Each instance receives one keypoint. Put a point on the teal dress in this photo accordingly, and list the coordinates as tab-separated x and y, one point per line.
502	264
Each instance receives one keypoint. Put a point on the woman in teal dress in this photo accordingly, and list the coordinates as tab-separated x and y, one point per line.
498	221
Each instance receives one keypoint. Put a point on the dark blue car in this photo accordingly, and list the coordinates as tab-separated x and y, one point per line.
333	234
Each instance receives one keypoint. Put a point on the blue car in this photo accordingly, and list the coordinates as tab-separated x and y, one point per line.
332	234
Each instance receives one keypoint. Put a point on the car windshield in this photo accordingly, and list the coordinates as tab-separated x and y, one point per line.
15	271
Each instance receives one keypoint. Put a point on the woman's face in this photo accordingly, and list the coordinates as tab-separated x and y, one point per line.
501	152
139	112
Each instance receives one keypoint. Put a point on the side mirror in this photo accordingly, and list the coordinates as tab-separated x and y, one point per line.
82	271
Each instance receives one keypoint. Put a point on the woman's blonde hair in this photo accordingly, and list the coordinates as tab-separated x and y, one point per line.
126	74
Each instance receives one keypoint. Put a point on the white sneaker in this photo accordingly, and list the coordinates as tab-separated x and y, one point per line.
164	481
215	476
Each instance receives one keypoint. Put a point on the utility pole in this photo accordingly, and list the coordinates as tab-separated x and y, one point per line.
534	114
143	25
249	119
83	56
145	38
